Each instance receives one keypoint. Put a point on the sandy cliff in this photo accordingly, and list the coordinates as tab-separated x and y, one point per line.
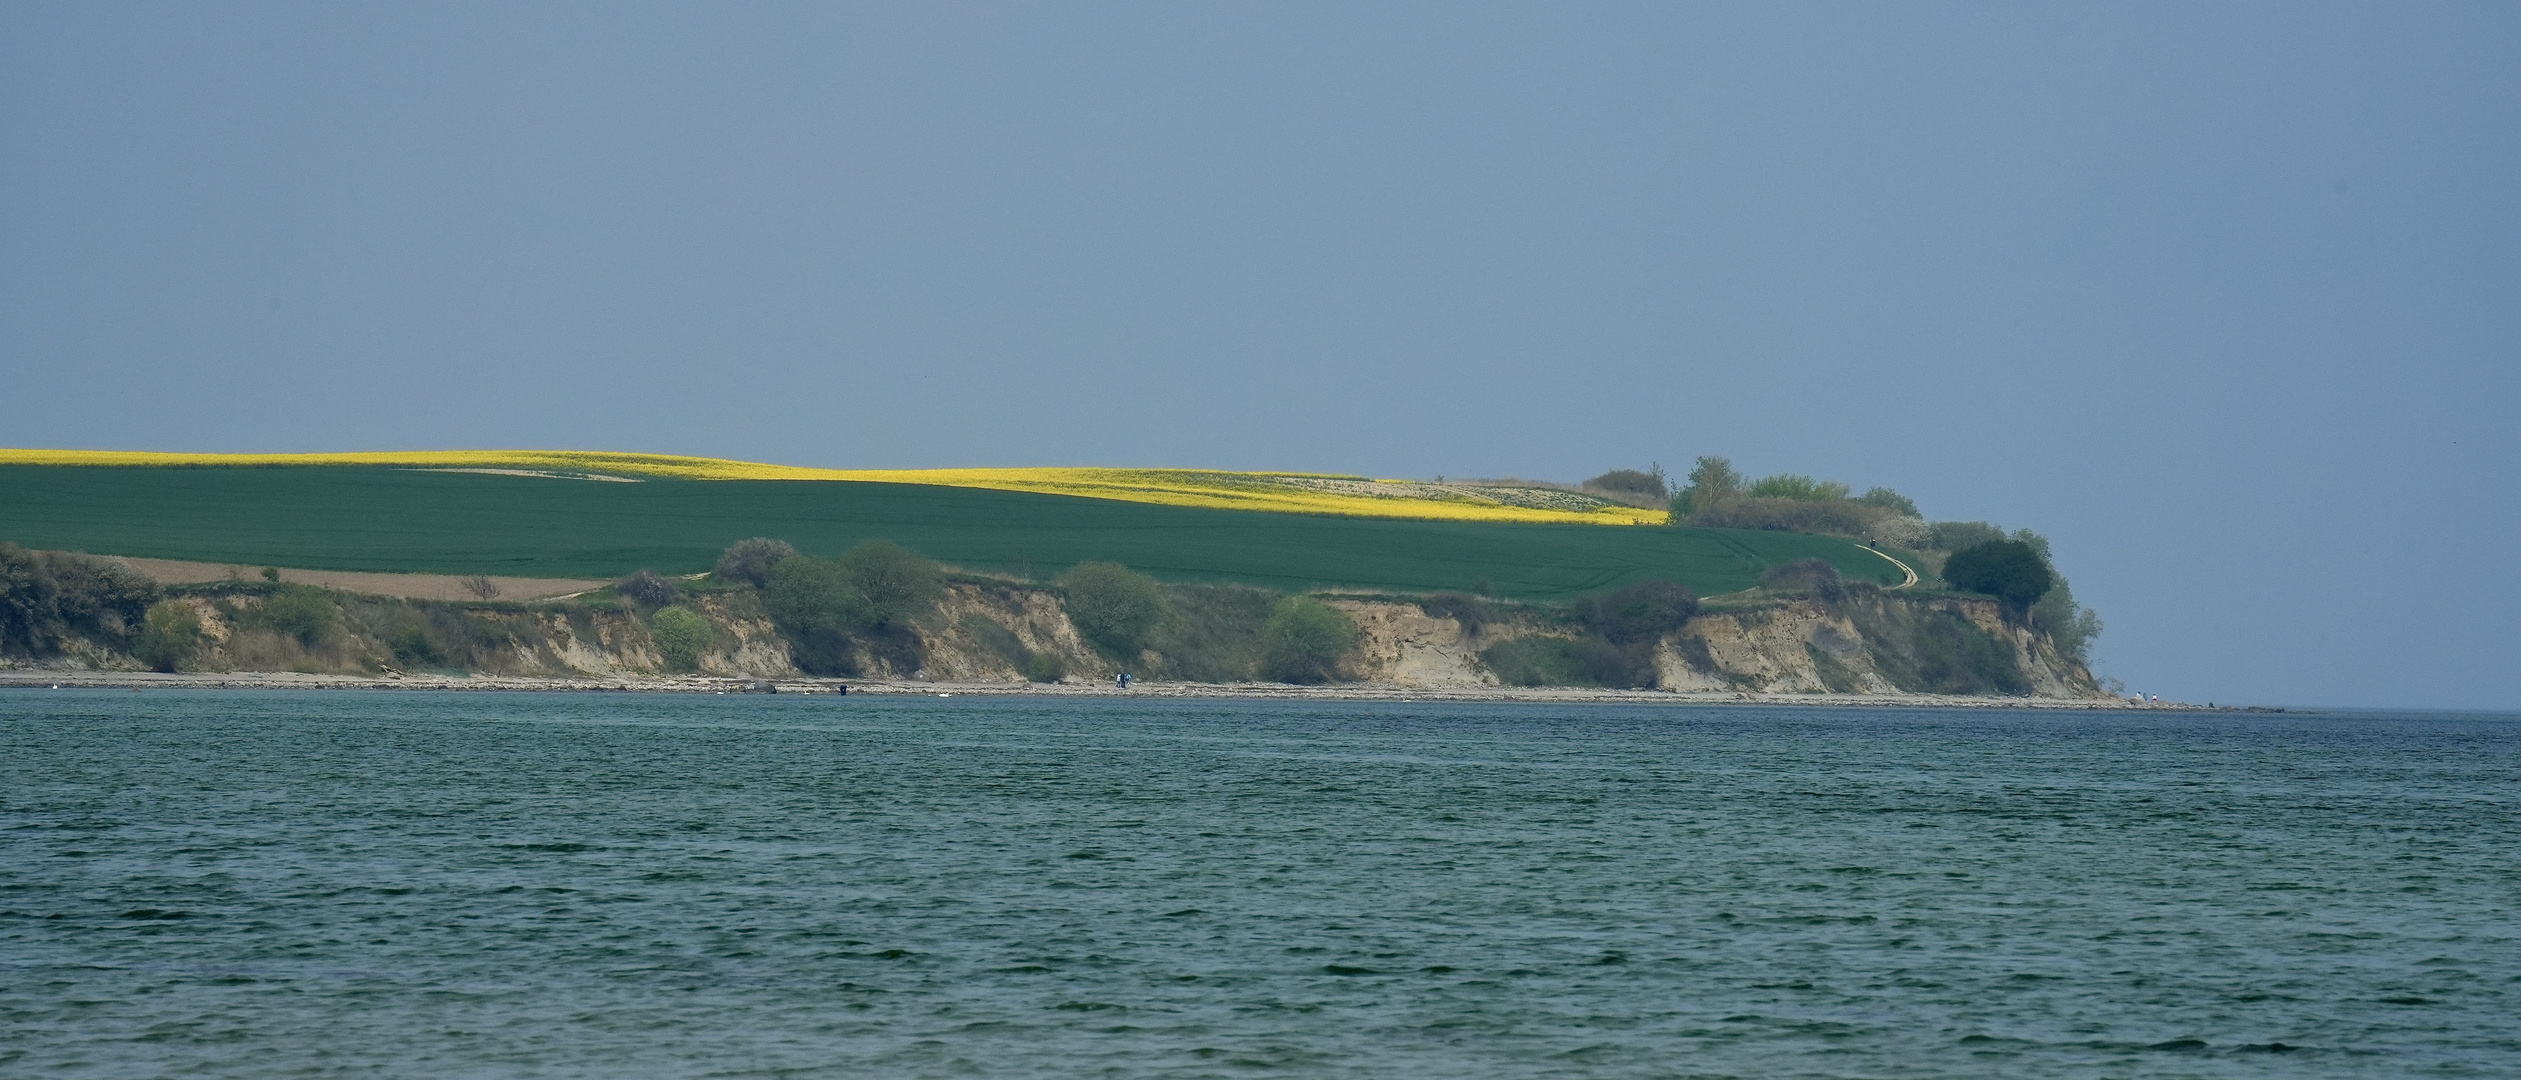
1869	643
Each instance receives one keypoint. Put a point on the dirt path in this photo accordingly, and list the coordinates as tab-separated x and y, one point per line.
1912	574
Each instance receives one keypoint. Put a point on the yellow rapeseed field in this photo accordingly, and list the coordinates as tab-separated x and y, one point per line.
1299	493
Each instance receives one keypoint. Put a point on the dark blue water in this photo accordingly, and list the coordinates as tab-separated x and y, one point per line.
314	884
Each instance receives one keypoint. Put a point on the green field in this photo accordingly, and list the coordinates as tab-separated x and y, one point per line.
384	519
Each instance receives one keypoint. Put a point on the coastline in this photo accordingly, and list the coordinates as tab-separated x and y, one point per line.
37	678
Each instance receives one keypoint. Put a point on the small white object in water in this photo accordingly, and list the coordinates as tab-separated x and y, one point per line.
945	695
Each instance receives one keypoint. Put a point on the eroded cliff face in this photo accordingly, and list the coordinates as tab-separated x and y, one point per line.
1874	643
1880	644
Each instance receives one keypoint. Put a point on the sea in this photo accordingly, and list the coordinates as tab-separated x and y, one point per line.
364	883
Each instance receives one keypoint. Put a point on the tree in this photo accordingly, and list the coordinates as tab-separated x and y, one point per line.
1304	640
481	586
169	633
681	636
822	605
2009	570
1113	607
893	582
749	561
1886	499
1712	483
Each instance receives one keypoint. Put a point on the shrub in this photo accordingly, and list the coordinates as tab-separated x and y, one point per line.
30	609
822	606
1588	661
681	635
1213	633
1957	535
2008	570
750	561
1883	498
894	582
303	612
1835	518
649	588
1814	576
1469	612
1642	613
1632	482
1798	487
1114	608
101	597
169	633
481	587
1044	668
1305	640
412	648
2070	626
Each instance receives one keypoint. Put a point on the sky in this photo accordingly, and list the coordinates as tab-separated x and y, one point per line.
2221	298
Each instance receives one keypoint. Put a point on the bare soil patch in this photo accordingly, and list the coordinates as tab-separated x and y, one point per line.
408	586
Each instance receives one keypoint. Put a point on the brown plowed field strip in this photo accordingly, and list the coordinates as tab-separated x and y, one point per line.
408	586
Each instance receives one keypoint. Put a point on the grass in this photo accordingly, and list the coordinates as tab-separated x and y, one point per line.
1303	493
408	520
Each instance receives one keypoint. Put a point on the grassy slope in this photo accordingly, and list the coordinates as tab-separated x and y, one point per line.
355	518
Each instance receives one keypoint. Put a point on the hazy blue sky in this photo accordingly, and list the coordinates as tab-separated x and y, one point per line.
2222	298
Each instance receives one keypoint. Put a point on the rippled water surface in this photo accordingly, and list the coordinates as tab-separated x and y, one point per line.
313	884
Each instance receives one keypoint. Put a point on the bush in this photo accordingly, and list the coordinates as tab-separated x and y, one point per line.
413	649
1883	498
1814	576
681	635
303	612
30	608
2070	626
169	633
1642	613
1213	633
750	561
1588	661
1798	487
1632	482
827	609
1836	518
1305	640
1469	612
2008	570
1044	668
649	589
101	597
1957	535
1114	608
894	582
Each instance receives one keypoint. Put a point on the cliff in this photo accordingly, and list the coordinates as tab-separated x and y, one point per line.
1864	642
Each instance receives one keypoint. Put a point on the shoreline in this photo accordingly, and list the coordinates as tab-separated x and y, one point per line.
38	679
